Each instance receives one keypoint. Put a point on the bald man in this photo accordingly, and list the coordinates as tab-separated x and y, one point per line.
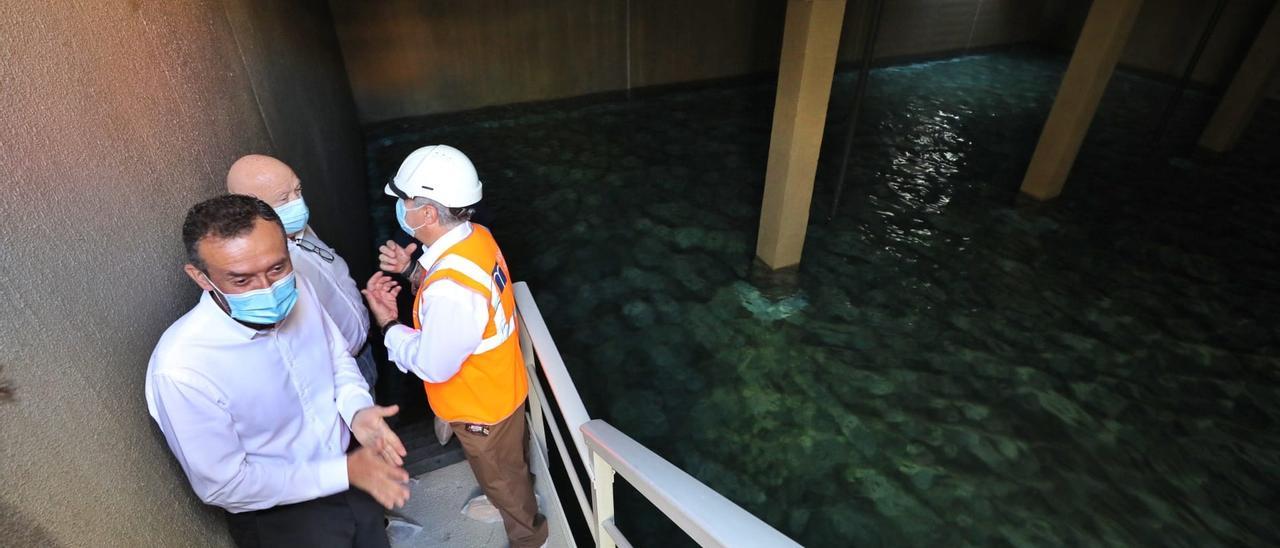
275	183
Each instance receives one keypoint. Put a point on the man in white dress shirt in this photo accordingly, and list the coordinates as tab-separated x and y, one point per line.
275	183
258	397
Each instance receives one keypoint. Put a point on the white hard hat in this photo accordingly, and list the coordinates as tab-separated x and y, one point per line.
439	172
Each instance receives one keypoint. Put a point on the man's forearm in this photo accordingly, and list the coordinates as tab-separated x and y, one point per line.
261	485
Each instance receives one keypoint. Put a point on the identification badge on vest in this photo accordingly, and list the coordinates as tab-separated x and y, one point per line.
478	429
499	279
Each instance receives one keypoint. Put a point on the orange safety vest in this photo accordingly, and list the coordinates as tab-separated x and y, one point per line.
492	382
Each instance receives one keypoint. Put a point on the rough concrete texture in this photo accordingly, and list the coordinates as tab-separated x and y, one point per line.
414	57
118	116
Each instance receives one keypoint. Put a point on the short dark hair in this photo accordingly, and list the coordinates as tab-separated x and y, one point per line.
223	217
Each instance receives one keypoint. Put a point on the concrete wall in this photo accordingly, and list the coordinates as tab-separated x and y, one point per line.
924	27
410	56
118	116
1165	34
413	57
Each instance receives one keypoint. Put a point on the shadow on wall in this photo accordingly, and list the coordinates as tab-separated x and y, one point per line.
6	390
15	528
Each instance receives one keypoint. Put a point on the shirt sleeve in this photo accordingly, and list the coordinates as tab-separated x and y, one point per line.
453	319
201	434
350	391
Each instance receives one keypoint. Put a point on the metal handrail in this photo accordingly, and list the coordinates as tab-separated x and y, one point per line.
536	342
566	393
618	538
705	515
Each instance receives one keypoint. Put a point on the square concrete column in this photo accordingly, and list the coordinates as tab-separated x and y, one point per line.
1101	42
810	41
1247	90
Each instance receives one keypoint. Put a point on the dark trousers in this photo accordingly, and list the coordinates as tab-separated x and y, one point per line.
499	463
347	519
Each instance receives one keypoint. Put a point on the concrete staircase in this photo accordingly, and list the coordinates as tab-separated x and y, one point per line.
425	453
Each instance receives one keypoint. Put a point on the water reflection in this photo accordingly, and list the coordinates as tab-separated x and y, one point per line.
951	371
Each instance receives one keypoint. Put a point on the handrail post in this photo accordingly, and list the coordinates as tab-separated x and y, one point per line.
602	500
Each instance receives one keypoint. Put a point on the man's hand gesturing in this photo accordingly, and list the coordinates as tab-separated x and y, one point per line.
394	259
370	427
381	293
368	472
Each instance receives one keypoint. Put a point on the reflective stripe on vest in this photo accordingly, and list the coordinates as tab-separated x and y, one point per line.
504	326
491	384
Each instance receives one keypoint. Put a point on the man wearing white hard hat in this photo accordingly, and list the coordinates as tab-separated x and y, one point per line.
463	343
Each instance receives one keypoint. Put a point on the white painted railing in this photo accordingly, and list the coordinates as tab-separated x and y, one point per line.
603	451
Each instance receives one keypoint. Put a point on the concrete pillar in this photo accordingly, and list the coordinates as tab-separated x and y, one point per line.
1247	89
1101	41
810	42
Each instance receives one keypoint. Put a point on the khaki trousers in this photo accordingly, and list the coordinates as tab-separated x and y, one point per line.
498	460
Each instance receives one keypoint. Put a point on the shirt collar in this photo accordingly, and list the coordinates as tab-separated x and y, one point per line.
223	321
305	232
435	250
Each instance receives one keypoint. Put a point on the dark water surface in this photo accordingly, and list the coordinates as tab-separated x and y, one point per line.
951	370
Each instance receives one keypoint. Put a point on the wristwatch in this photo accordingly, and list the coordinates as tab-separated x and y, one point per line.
388	325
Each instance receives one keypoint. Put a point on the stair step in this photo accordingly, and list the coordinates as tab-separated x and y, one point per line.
425	453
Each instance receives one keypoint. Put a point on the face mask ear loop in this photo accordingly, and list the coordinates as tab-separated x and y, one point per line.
218	297
413	232
419	227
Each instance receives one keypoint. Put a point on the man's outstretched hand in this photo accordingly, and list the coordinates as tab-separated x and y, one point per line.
369	472
370	429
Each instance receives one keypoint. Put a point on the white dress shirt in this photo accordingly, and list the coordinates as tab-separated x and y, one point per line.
452	317
256	418
335	288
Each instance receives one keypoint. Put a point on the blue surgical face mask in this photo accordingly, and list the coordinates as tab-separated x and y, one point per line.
262	306
404	224
294	216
